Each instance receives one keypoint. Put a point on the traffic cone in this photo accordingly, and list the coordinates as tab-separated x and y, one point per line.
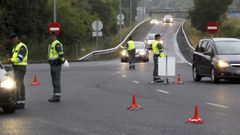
178	81
195	118
134	104
35	81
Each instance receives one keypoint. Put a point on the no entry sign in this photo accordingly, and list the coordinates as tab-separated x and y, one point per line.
212	27
55	27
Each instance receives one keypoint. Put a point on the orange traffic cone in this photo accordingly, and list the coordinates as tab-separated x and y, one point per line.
178	81
134	104
195	118
35	81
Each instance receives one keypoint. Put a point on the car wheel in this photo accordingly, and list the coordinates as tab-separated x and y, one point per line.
11	108
196	76
214	79
145	59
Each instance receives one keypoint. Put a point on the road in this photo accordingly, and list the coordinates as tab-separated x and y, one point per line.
96	95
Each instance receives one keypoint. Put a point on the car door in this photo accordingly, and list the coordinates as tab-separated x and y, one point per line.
200	57
207	58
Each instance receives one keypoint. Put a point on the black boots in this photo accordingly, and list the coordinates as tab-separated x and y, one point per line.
20	106
54	99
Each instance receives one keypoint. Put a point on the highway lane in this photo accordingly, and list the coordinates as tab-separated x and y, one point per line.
96	95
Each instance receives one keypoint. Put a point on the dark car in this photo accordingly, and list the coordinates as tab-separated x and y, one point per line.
218	58
142	53
7	90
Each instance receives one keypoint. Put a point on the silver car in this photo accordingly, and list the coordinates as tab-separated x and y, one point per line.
142	53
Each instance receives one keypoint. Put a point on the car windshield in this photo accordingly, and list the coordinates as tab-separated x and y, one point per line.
167	16
139	45
151	36
228	48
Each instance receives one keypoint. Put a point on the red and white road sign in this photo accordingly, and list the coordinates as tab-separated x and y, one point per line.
54	27
212	27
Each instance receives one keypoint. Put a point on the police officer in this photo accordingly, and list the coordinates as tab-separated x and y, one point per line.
157	48
19	63
131	53
56	59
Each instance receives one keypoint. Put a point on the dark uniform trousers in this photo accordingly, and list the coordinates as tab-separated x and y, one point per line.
155	70
19	74
131	54
56	79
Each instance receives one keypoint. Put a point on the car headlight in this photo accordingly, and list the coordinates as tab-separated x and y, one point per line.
223	64
124	53
8	84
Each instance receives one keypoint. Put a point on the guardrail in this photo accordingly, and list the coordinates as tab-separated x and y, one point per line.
184	45
185	35
110	52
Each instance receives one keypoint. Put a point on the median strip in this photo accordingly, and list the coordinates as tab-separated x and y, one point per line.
218	105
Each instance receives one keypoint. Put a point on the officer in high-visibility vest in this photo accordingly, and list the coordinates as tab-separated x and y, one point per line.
56	59
19	63
157	48
131	53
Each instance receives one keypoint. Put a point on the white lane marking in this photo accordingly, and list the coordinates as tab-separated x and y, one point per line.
136	82
162	91
124	76
218	105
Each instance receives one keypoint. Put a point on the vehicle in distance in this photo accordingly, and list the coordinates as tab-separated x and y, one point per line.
218	58
8	91
154	21
168	19
142	53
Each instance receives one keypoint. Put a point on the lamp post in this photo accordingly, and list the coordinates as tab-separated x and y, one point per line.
54	11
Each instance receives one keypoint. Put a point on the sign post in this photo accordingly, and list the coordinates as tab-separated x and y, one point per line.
97	27
120	22
212	27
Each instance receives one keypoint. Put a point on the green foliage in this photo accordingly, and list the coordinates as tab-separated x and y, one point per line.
208	10
30	19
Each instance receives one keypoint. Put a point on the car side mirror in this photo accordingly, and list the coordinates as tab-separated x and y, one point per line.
8	68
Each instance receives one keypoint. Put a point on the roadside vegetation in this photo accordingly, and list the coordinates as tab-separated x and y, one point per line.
195	26
30	20
229	28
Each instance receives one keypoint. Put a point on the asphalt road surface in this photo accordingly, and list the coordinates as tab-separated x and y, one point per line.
96	95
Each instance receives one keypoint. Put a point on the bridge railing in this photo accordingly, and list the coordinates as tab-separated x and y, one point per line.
112	52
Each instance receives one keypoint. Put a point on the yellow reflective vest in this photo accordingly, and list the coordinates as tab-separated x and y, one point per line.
131	45
155	49
52	52
15	55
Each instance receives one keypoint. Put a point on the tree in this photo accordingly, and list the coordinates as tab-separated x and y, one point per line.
208	10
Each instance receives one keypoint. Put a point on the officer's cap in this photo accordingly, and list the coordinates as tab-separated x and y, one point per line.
157	35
